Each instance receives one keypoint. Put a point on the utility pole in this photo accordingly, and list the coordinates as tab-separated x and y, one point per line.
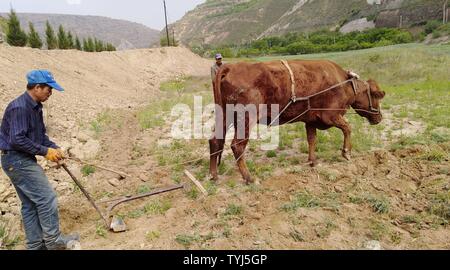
167	27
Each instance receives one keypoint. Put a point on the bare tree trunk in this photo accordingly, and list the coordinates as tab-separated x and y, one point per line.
445	12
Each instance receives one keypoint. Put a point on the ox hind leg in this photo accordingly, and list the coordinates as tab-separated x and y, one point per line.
239	144
216	147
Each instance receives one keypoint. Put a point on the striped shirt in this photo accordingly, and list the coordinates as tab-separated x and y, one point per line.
23	128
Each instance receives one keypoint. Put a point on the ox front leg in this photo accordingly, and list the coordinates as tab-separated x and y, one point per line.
311	133
216	147
343	125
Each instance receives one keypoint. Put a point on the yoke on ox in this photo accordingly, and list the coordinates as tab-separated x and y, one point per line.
318	93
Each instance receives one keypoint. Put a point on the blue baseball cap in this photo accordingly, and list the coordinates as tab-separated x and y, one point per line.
218	56
43	77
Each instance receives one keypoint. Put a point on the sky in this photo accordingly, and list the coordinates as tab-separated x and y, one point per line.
147	12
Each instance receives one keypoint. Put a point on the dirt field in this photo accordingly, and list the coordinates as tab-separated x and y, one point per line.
394	194
386	196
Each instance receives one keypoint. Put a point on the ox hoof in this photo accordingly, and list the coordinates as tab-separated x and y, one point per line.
313	163
249	180
347	155
214	178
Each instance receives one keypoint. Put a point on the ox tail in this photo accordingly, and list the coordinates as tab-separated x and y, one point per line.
219	101
218	84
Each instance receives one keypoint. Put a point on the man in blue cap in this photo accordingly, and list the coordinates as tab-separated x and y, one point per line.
22	138
215	68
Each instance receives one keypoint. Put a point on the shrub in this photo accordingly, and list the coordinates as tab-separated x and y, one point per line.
431	26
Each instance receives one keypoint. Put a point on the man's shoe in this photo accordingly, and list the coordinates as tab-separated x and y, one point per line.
63	240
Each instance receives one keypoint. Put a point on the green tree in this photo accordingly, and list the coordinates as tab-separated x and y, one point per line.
98	45
34	39
431	26
85	45
78	44
302	47
63	42
15	35
52	43
90	45
110	47
70	41
163	42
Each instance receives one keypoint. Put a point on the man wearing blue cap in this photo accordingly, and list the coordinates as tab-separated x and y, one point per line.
23	137
215	68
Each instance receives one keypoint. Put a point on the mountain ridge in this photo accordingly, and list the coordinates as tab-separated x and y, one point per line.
121	33
238	21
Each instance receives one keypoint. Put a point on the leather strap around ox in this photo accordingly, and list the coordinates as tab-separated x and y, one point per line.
286	64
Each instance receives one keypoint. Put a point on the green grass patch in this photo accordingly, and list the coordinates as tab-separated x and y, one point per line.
87	170
271	154
440	205
102	121
377	230
302	200
177	85
193	193
379	205
100	230
186	240
435	153
233	210
260	170
143	189
211	188
152	235
136	213
157	207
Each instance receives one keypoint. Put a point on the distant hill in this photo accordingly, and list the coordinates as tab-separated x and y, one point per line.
234	21
122	34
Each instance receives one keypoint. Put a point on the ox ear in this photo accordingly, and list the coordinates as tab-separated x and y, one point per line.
375	89
379	94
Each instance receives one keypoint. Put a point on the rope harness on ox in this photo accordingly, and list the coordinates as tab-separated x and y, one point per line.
294	98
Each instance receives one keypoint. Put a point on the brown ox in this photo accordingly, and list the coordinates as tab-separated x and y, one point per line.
270	83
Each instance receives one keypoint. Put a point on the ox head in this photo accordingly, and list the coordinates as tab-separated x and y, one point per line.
367	102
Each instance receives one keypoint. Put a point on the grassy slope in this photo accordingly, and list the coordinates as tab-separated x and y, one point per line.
407	71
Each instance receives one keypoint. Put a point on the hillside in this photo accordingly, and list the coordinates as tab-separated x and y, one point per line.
233	21
95	81
122	34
